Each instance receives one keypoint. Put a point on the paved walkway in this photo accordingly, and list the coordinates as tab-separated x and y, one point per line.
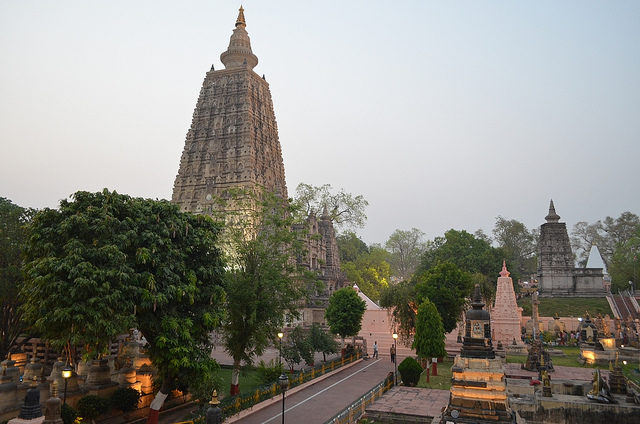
320	401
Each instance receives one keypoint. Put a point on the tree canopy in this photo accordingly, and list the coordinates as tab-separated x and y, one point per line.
12	221
519	246
344	313
350	246
105	262
345	209
448	287
370	271
405	248
429	338
263	281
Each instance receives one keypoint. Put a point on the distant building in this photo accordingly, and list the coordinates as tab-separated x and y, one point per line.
557	274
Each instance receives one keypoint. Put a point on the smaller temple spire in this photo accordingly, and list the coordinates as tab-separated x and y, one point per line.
240	21
553	216
325	212
504	272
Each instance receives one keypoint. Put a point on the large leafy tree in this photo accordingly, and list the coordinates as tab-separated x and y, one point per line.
518	244
12	221
624	265
105	262
448	287
429	338
370	271
400	299
345	209
263	281
405	248
321	341
344	313
351	246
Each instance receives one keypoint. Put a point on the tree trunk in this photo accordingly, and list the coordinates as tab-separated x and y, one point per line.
235	379
158	401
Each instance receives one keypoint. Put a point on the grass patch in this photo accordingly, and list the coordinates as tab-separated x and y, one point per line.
249	381
567	307
441	381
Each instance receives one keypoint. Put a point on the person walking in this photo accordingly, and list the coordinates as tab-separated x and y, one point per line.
393	353
375	350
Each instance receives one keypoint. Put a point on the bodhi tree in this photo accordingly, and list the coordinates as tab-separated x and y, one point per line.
345	210
405	248
105	262
344	313
263	281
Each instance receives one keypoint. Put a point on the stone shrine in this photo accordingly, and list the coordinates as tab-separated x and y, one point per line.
557	274
506	315
478	388
233	140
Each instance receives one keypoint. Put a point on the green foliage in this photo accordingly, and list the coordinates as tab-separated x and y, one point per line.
410	371
268	373
519	245
405	248
105	262
262	282
297	348
345	311
68	414
12	220
430	335
345	210
350	246
400	299
567	307
203	386
370	271
625	263
442	381
91	407
448	287
125	399
321	341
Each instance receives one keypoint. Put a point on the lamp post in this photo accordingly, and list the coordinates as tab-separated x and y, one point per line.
395	359
280	336
284	384
66	374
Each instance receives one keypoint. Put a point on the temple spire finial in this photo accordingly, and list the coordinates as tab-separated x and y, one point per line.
240	20
504	272
553	216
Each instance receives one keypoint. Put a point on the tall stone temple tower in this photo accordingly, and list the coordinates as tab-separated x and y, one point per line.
557	273
233	139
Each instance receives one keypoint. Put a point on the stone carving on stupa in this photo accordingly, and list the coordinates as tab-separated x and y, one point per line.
233	140
478	388
557	274
506	315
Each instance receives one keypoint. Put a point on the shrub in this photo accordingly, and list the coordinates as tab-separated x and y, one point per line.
410	371
68	414
268	373
125	399
90	407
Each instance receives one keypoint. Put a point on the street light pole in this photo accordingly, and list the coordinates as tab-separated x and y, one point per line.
280	336
284	383
66	374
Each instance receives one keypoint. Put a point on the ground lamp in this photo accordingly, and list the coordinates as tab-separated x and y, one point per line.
395	359
284	384
280	336
66	374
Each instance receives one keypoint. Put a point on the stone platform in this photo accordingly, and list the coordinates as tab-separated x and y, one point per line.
408	405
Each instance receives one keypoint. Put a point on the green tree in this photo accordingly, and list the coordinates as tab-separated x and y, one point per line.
405	248
370	271
12	220
519	245
105	262
400	299
448	287
344	313
321	341
429	339
345	209
263	282
297	349
625	264
351	246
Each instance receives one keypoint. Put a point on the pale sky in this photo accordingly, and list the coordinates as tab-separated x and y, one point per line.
442	114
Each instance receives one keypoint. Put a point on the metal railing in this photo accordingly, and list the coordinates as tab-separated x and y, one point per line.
232	405
353	412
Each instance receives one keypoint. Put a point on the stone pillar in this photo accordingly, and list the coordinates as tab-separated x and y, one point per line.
8	393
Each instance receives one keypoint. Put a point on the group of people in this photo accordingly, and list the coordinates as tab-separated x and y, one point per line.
392	351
